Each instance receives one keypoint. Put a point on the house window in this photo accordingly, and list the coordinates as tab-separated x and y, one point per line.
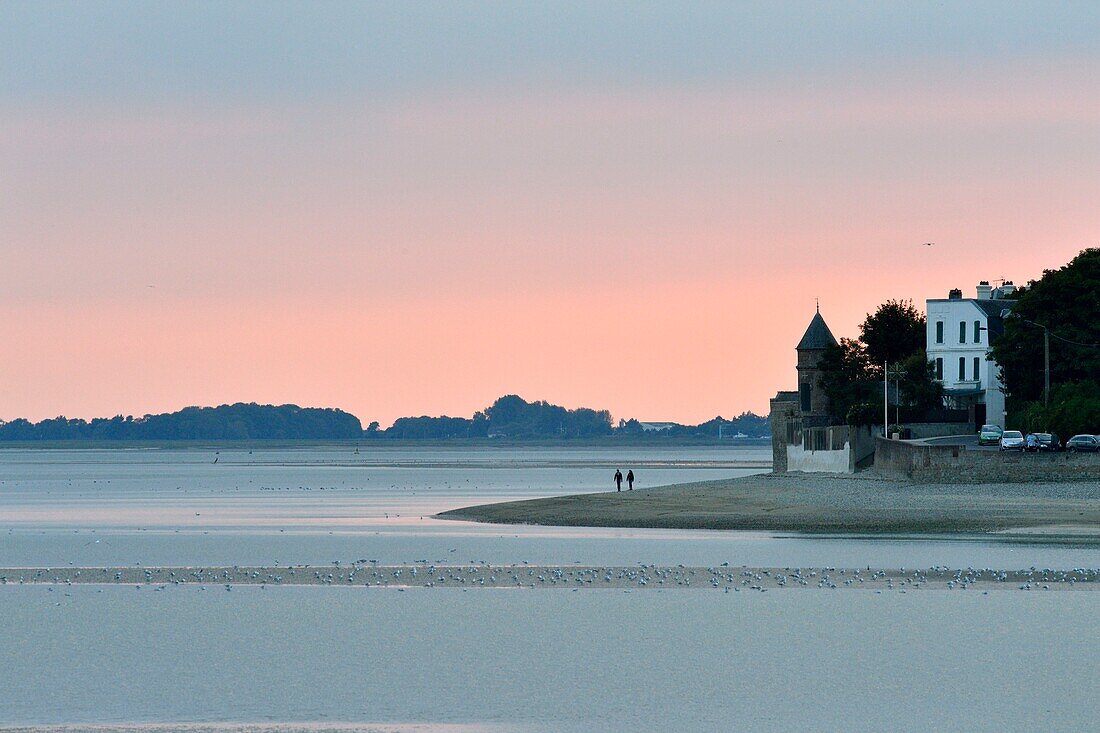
939	369
939	332
962	332
977	376
962	368
805	396
977	332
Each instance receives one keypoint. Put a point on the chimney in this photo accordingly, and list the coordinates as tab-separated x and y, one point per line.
955	294
1006	290
985	291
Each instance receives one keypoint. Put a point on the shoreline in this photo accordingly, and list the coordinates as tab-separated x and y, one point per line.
859	504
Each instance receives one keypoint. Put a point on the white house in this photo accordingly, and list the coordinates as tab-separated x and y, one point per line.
958	338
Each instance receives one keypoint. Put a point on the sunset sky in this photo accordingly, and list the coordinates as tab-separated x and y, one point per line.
414	208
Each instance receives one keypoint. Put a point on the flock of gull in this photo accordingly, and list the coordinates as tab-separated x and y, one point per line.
369	573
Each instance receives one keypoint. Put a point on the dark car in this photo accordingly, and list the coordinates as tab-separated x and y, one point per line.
1083	444
1048	442
990	435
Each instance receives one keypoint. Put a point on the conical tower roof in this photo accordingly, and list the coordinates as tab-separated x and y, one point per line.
817	336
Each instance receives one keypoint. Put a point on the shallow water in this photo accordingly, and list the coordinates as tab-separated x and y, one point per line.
502	659
553	660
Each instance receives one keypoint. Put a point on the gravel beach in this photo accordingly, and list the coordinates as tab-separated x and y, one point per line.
845	504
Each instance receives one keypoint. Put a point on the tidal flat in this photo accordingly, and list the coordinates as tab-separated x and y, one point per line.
313	589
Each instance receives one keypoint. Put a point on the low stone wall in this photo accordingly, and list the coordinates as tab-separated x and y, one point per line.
900	459
939	429
818	461
861	446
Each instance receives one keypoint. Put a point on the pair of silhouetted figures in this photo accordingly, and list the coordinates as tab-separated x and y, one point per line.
619	480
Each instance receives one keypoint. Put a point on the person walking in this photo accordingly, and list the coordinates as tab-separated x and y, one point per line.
618	480
630	480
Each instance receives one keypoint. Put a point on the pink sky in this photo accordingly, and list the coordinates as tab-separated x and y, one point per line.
653	248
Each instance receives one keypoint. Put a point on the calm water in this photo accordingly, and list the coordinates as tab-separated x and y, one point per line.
523	660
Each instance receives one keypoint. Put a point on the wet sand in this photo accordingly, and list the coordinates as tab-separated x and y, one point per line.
723	577
835	504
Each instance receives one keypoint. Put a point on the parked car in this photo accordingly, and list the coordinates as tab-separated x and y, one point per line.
1048	442
1083	444
1012	440
989	435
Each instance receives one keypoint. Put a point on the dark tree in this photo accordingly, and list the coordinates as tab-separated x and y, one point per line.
892	333
847	376
1074	408
1066	301
918	385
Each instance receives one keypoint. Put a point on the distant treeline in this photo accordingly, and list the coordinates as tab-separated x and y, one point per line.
514	418
226	422
510	417
745	425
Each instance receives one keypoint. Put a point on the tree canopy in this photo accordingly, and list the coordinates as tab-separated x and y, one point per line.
851	371
893	333
1066	301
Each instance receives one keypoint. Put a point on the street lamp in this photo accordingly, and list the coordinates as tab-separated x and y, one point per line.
897	373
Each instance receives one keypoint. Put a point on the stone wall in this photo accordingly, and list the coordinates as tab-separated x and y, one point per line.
783	413
938	429
900	459
861	446
808	374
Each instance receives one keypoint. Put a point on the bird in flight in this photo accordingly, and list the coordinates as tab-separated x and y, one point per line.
927	244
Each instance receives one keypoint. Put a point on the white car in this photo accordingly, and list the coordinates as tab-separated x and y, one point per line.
1012	440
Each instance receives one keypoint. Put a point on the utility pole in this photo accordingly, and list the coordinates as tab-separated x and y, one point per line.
1046	367
1046	354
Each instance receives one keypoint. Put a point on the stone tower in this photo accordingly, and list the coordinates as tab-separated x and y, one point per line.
813	405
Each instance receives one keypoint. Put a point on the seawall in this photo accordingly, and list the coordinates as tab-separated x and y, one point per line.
945	464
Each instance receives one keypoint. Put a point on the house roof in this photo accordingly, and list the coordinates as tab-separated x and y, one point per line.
817	336
993	310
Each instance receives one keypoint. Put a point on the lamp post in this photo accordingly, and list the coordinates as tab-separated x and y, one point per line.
897	373
885	401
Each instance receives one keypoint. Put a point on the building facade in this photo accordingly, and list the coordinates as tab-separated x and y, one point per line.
804	437
959	332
